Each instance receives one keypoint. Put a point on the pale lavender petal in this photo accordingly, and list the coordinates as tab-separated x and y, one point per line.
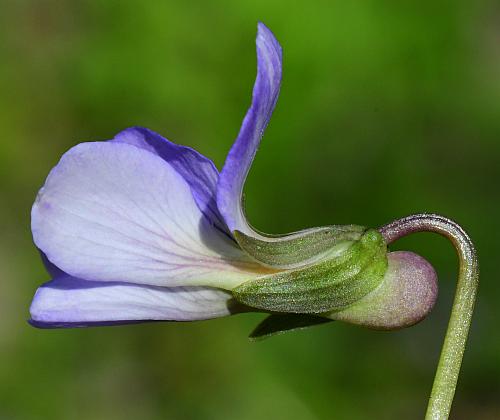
110	211
198	171
242	153
71	302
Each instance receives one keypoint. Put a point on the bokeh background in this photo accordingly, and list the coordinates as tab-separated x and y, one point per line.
387	108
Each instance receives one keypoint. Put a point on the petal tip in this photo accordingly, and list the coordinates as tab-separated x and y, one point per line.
266	37
263	30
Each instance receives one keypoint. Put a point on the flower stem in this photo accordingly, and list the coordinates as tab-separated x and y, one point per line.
445	380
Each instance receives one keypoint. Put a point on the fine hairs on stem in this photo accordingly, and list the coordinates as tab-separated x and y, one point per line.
445	380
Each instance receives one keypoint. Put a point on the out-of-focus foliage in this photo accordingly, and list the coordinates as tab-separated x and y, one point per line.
387	108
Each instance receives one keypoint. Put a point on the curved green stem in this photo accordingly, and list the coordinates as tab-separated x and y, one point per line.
452	352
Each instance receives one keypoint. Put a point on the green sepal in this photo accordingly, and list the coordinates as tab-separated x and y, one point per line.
330	284
276	324
299	248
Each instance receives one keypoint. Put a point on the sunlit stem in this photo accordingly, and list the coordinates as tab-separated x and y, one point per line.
452	352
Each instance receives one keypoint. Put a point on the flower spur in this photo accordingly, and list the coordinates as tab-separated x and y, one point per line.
140	229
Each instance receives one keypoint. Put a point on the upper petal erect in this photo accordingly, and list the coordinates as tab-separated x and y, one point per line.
111	211
287	251
240	157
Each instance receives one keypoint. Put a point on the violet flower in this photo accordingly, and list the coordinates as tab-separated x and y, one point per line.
140	229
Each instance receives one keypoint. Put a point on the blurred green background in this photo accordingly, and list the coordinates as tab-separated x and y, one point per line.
387	109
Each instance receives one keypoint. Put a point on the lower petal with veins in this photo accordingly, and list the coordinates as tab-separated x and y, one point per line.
69	301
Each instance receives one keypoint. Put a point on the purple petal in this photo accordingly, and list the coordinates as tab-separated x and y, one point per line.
71	302
242	153
110	211
52	269
198	171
